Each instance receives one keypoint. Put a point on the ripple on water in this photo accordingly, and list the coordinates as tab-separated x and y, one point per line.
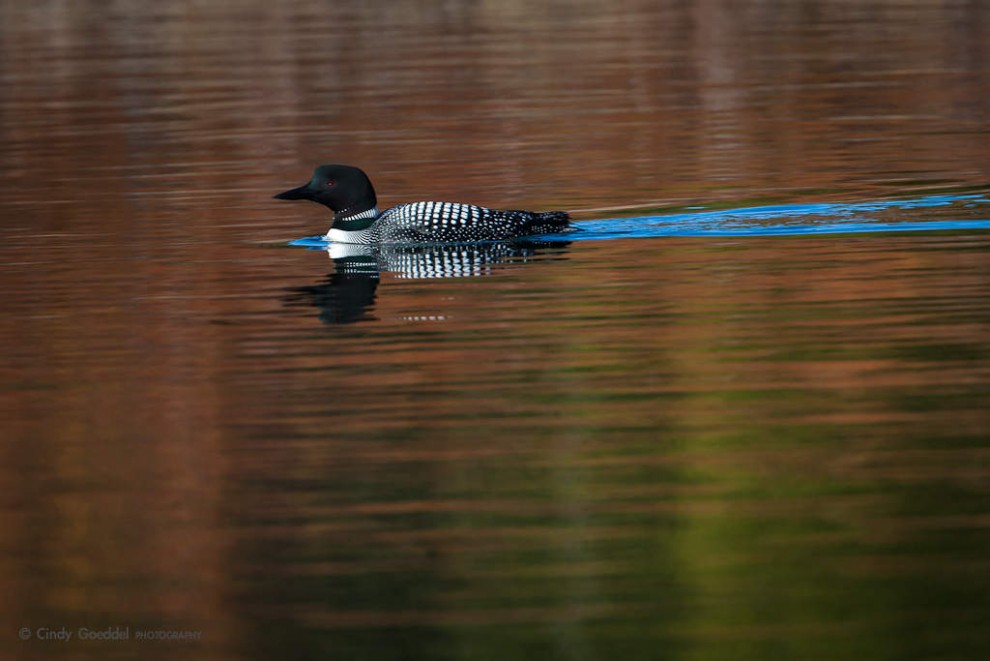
954	213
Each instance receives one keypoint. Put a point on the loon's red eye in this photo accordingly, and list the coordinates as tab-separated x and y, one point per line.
330	183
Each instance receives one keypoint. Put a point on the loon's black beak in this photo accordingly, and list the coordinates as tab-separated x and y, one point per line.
301	193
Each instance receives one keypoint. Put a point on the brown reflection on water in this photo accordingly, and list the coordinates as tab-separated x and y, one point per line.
724	449
586	106
721	457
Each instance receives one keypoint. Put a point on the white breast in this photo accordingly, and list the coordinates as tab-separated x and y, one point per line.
343	236
342	250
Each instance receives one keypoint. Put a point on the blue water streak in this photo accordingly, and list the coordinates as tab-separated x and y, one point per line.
909	215
924	214
318	242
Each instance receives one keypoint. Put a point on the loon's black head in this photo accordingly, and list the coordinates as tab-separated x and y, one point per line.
344	189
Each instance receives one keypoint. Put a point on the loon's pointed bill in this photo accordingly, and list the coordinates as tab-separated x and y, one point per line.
347	191
300	193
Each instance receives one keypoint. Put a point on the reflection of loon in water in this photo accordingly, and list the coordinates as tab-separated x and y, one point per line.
348	294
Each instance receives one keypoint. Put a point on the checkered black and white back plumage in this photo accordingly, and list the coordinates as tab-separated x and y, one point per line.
448	222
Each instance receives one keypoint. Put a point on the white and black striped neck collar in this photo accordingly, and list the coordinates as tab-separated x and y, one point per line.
370	213
358	221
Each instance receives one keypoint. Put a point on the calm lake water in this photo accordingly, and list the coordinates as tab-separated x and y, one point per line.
743	414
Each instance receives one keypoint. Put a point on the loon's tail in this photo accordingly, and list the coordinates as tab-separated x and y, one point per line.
549	222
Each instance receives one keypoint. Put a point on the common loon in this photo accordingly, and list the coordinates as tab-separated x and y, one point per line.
348	192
